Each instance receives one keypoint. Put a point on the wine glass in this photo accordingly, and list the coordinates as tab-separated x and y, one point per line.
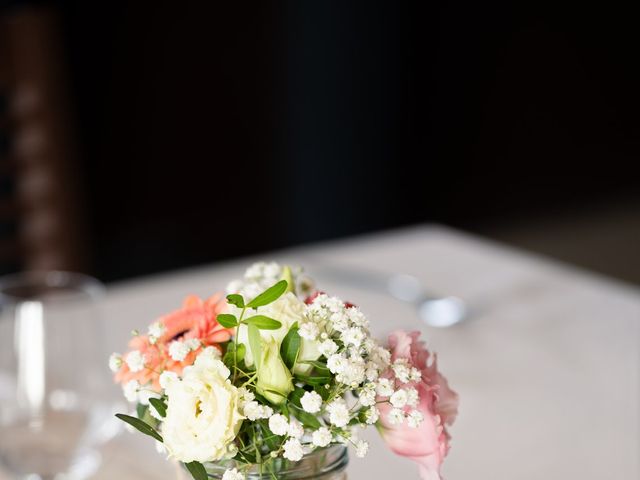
54	408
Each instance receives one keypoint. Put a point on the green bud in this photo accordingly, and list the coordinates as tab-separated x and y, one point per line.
287	275
274	378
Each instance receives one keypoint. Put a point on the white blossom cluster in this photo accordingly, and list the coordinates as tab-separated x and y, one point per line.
400	392
261	275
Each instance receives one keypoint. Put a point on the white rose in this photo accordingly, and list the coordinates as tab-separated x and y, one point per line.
288	309
203	414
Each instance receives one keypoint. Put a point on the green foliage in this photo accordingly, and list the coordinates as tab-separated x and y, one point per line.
263	322
254	344
235	299
314	380
197	470
227	320
159	405
290	347
140	426
270	295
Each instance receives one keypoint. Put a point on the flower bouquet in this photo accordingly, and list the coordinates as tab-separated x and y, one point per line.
256	383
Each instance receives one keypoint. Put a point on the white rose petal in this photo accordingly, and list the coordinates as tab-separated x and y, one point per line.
293	450
203	412
278	424
311	402
321	437
135	361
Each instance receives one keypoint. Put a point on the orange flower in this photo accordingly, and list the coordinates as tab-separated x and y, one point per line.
196	320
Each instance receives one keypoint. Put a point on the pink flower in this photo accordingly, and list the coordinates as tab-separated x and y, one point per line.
197	319
428	443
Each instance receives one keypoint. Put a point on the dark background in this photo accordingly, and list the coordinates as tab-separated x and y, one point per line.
209	130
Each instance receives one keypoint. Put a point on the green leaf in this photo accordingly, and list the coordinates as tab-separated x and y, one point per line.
290	347
295	397
139	425
307	419
197	470
316	380
227	320
324	370
141	410
159	405
235	299
254	343
263	322
270	295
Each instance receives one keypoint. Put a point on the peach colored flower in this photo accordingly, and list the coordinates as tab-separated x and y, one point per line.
427	444
197	319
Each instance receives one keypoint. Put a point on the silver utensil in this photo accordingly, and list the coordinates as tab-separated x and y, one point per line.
433	310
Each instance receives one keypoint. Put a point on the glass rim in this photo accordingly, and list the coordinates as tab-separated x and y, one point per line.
48	280
311	466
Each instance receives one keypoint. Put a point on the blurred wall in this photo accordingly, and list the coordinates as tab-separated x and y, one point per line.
210	130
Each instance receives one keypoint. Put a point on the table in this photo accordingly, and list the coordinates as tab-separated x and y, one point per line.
547	366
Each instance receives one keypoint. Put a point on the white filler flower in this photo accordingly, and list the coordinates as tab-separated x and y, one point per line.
362	448
203	413
178	350
233	474
321	437
115	362
293	450
311	402
135	361
278	424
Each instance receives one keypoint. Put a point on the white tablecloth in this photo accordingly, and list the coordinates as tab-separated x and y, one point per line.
547	367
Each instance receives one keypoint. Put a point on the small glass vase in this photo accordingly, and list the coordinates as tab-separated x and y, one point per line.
322	464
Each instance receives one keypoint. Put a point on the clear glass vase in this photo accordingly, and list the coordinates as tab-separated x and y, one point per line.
322	464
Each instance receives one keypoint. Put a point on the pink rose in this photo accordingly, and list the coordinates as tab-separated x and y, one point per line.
428	443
